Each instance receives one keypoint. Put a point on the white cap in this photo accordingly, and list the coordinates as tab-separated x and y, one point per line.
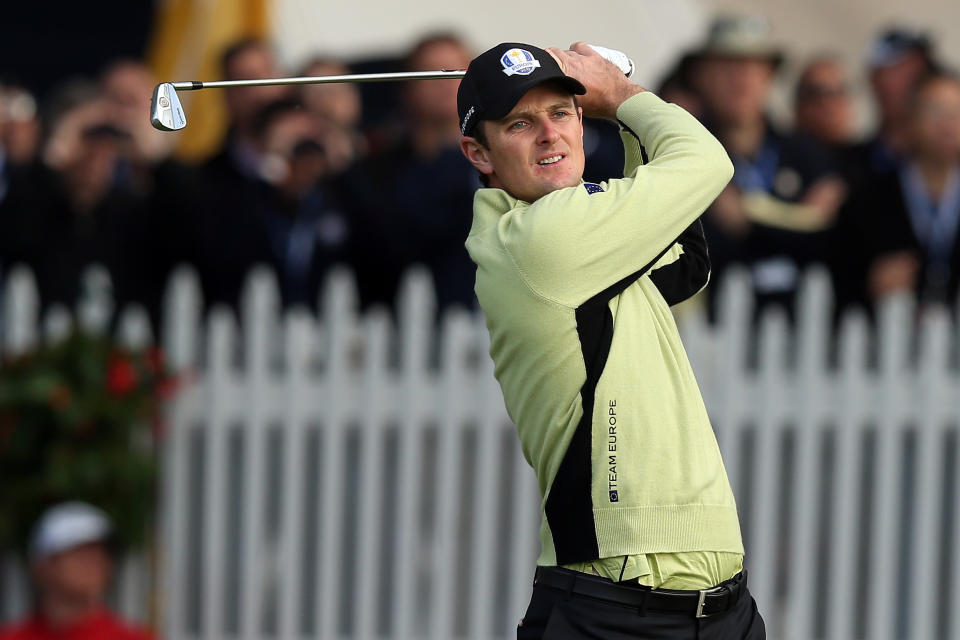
68	525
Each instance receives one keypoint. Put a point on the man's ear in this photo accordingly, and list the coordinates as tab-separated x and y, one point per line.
477	154
580	116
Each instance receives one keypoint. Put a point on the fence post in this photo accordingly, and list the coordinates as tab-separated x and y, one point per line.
449	491
261	338
811	377
415	332
339	319
895	329
300	332
852	409
181	340
377	386
218	417
731	399
485	400
932	390
21	312
764	545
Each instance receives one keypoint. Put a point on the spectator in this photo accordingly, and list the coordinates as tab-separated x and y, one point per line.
338	109
782	197
823	109
414	200
71	564
238	161
340	102
233	189
168	186
124	84
286	219
675	87
900	231
19	132
431	107
898	58
74	209
19	128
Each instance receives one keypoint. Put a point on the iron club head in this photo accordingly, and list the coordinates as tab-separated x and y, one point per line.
166	113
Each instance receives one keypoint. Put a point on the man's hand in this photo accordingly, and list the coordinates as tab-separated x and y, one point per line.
607	86
893	272
729	213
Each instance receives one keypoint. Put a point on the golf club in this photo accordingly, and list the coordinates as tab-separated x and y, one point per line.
166	112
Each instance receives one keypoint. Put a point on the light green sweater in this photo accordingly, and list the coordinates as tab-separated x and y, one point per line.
587	353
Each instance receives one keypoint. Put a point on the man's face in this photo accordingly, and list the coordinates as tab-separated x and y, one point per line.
935	122
824	107
339	102
124	86
893	85
73	583
736	89
293	153
536	149
244	103
436	100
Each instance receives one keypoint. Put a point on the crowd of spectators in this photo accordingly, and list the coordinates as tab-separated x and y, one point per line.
373	177
880	212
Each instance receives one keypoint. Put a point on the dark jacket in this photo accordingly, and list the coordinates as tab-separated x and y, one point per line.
874	223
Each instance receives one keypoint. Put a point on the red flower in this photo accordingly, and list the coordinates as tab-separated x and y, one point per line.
121	377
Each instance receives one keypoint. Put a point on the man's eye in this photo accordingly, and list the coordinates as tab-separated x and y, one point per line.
519	124
561	114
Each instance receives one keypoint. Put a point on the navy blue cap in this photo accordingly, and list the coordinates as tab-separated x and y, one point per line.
498	78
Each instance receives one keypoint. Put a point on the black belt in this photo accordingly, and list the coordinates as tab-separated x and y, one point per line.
697	604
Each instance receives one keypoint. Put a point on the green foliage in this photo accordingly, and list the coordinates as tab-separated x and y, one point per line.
78	419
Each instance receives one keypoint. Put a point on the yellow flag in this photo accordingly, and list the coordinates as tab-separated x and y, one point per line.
188	38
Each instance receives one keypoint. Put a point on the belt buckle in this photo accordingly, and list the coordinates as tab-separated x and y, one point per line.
703	599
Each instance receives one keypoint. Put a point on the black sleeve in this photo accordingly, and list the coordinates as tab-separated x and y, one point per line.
684	277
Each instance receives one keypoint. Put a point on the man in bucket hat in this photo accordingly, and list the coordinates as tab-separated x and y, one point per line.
639	536
776	214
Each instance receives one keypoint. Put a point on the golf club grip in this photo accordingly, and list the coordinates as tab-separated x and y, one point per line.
619	58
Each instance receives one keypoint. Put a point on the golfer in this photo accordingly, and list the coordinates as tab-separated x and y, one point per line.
640	536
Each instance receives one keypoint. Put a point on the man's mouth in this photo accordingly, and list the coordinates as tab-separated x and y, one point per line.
551	159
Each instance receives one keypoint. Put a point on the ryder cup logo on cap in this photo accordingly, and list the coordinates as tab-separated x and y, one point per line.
519	62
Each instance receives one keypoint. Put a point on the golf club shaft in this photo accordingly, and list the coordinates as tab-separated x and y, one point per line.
166	112
617	57
193	85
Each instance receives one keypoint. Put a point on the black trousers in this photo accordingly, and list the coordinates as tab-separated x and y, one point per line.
556	615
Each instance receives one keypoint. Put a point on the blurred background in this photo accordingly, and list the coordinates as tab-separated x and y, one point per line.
244	382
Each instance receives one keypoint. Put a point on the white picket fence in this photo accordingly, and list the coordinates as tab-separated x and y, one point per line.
357	477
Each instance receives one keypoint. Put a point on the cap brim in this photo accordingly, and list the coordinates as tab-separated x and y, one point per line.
497	111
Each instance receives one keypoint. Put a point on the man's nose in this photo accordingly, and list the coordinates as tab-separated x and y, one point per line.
548	132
